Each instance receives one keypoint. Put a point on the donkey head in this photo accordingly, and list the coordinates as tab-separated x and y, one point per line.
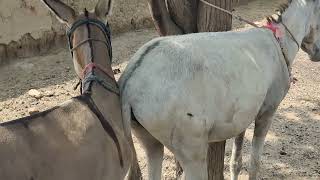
85	31
311	42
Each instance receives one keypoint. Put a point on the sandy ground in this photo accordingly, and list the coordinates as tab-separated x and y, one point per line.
292	149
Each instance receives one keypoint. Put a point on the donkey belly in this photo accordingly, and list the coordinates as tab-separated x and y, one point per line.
197	108
198	119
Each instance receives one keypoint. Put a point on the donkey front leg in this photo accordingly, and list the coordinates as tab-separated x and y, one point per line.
236	157
261	128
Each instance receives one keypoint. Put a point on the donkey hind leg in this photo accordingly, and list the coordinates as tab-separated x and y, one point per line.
236	157
134	173
262	125
190	149
193	162
153	149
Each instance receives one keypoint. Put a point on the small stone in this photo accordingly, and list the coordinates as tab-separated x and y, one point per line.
116	71
34	103
49	93
35	93
283	153
32	111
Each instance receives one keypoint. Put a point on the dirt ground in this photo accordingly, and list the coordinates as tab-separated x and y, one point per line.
292	148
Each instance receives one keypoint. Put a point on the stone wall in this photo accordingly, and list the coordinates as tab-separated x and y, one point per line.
27	28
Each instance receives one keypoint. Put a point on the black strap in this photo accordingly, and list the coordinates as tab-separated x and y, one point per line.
90	77
105	124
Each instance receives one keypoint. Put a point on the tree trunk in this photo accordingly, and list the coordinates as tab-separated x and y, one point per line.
184	13
161	18
213	20
215	160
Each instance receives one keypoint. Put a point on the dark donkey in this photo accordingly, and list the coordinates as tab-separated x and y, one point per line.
84	138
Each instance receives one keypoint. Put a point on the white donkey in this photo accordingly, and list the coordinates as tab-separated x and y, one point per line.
84	138
186	91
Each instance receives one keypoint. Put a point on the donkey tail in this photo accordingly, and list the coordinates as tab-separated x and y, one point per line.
134	171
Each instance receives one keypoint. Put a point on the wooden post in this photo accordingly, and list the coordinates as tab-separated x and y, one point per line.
215	160
213	20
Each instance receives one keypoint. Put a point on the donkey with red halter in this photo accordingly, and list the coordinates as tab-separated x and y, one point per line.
187	91
84	138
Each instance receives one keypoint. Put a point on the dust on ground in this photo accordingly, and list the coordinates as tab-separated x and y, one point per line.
292	148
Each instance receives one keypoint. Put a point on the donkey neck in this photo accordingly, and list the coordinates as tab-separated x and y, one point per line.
101	57
296	18
107	101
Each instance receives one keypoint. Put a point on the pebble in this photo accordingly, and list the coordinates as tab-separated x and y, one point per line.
116	71
282	152
49	93
32	111
35	93
34	103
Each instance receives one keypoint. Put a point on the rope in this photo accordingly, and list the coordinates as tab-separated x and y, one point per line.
255	25
89	39
230	13
292	36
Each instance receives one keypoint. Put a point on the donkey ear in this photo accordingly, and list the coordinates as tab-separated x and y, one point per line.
103	8
64	13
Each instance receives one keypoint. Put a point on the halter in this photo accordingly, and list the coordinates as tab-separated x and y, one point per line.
105	28
87	75
276	34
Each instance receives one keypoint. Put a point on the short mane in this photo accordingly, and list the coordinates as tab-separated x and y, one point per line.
282	8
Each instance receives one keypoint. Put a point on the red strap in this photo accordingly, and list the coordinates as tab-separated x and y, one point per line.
271	27
275	29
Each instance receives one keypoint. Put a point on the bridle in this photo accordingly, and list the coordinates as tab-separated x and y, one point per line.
88	76
255	25
105	28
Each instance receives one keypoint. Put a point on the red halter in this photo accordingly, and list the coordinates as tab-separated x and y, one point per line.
274	28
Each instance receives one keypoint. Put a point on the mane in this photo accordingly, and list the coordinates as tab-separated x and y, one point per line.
281	9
